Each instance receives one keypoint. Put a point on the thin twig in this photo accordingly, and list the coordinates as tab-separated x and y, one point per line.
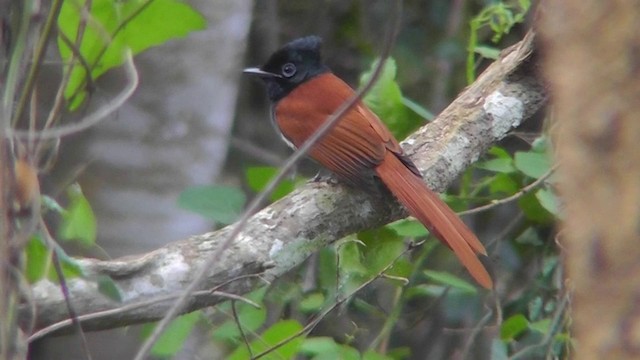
527	352
513	224
474	334
33	117
266	156
75	47
82	23
84	19
525	190
95	117
497	305
239	324
37	60
27	301
130	307
381	341
14	68
76	55
257	201
245	276
111	37
73	315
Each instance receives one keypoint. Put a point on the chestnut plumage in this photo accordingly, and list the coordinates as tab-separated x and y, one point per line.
304	93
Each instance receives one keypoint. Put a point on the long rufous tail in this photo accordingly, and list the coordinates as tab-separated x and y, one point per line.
435	215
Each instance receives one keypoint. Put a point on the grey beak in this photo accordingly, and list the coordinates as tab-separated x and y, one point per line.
259	72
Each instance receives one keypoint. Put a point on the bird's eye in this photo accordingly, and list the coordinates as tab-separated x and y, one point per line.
288	70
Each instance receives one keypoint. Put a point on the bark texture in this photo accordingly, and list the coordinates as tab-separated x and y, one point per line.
592	64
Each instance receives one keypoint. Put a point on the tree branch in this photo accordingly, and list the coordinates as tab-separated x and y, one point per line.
284	234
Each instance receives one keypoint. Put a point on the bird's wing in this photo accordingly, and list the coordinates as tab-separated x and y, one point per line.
356	144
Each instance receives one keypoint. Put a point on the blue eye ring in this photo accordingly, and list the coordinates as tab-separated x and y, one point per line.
288	70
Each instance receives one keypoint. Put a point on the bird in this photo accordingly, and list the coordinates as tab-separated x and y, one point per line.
304	93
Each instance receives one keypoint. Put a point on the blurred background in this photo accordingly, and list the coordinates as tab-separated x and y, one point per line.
196	120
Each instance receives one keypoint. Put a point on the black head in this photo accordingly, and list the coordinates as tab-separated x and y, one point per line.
295	63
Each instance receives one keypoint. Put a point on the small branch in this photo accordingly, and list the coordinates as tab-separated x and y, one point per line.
548	338
525	190
38	56
138	305
65	289
265	156
99	27
95	117
240	329
474	334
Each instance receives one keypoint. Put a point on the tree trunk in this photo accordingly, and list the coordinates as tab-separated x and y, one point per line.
592	64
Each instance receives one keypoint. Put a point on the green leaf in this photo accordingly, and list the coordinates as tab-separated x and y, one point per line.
498	350
359	263
455	202
250	317
529	236
70	266
549	265
325	348
78	221
319	345
218	203
533	210
402	352
499	152
275	334
361	306
327	270
386	93
383	248
38	259
259	176
535	307
425	290
403	268
385	99
500	18
488	52
350	257
343	352
312	302
542	326
499	165
418	109
39	264
112	28
532	164
408	228
174	336
541	144
449	279
107	287
513	327
548	200
372	355
503	183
